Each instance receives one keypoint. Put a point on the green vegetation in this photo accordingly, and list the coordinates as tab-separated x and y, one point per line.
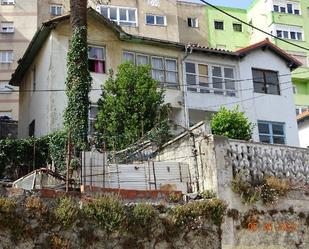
108	211
24	155
232	124
78	84
130	107
269	189
67	211
185	215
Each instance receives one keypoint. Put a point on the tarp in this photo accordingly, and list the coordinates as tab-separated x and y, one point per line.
40	179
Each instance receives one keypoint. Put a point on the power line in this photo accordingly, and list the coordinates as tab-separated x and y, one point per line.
188	85
252	26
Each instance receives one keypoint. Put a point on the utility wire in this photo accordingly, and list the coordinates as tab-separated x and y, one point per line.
254	27
188	85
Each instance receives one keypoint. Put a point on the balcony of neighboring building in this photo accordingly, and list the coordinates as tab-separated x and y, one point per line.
301	92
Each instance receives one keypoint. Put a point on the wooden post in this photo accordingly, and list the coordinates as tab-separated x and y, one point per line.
68	162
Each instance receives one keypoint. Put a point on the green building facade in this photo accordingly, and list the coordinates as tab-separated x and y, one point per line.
288	20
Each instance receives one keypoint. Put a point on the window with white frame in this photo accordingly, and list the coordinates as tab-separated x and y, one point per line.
301	109
271	132
163	69
192	22
7	2
287	7
6	56
5	87
121	15
96	59
205	78
7	27
155	20
56	10
289	32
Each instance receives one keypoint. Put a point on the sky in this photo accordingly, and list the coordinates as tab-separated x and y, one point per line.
230	3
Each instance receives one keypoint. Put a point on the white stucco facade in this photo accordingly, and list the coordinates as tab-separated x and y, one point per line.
303	132
46	107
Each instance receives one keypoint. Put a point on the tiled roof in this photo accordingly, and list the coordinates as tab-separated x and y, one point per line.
303	116
293	62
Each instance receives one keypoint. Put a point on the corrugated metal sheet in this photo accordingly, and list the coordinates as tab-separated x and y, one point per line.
144	176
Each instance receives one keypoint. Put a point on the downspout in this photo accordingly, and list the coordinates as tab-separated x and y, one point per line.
185	89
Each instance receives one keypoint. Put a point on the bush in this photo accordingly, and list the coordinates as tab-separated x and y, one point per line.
7	211
144	214
67	211
108	211
36	205
268	189
232	124
208	194
206	209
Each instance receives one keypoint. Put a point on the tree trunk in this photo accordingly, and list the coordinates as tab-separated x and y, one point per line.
78	13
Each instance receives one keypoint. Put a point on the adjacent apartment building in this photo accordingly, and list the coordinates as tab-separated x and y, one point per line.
19	20
198	80
285	19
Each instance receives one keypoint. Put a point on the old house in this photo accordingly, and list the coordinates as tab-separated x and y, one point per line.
198	80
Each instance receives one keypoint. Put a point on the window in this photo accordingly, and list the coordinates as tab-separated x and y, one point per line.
206	78
192	22
34	79
289	32
93	111
7	2
271	132
154	3
5	87
163	69
265	81
6	56
237	27
301	109
155	20
56	10
219	25
96	59
32	129
287	7
7	27
121	15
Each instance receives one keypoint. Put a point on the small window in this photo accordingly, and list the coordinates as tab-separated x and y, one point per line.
6	56
219	25
155	20
276	8
296	12
5	87
34	79
96	59
32	129
279	33
7	27
237	27
7	2
56	10
192	22
271	132
92	116
282	9
290	8
266	81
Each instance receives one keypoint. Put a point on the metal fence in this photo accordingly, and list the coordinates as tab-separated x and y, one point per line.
150	175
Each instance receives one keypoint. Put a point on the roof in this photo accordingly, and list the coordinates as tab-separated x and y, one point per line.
303	116
42	34
267	44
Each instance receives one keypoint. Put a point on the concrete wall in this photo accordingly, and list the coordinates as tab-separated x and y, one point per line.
303	133
187	34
